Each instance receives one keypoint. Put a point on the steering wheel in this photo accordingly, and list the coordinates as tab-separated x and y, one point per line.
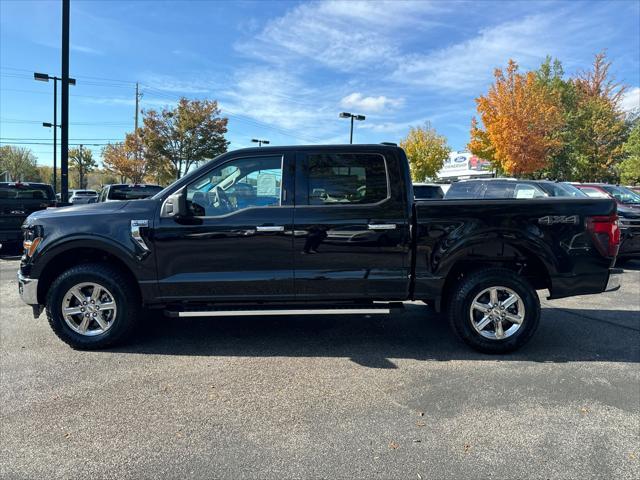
221	200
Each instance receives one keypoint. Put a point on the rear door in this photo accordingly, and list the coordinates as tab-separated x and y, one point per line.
350	227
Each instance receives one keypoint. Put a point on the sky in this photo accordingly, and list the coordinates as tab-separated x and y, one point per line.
283	71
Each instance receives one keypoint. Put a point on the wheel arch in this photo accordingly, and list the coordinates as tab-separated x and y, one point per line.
519	258
80	251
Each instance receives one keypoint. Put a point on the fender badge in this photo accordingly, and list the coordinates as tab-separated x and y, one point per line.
554	219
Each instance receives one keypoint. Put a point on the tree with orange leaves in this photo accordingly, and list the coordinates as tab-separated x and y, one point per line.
519	115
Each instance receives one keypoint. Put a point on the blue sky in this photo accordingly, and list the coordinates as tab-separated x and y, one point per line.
284	70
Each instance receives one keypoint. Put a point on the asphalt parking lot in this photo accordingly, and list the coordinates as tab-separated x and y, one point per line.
325	397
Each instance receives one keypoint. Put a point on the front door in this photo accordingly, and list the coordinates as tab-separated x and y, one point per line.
351	231
237	243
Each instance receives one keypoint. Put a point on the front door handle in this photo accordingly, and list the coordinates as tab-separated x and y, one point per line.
382	226
270	228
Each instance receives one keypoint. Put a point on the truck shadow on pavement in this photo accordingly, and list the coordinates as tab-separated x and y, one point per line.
564	335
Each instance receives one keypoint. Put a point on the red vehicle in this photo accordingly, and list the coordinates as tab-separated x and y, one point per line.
628	212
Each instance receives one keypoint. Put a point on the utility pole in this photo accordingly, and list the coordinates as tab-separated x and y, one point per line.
81	167
64	120
55	134
138	96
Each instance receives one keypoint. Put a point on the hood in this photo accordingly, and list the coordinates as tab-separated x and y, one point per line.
629	211
74	210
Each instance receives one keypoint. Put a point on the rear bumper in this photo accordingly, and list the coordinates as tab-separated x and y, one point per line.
28	289
615	280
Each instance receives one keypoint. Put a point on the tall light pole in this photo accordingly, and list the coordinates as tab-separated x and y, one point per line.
64	140
43	77
260	142
353	117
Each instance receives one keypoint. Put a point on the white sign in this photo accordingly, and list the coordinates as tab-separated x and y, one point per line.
267	185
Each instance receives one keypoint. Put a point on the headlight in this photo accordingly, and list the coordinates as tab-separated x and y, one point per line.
32	238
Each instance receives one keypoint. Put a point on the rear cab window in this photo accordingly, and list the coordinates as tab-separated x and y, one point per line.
26	191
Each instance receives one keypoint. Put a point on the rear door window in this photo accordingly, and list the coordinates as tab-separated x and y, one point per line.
346	178
525	190
462	190
498	190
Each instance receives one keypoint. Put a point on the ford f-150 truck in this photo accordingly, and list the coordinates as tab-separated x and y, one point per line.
313	229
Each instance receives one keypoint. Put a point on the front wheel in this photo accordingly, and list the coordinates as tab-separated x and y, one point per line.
92	306
494	311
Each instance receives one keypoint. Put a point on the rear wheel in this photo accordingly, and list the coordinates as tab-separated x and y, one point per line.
92	306
494	311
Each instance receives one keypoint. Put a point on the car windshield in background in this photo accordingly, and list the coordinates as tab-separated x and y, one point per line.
85	193
132	192
24	191
622	194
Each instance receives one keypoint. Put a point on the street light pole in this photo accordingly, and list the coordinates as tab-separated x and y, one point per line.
352	117
64	141
260	142
44	77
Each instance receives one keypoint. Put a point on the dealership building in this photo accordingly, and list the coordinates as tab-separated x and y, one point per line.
464	165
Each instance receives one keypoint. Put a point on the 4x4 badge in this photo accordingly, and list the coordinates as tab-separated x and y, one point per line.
553	219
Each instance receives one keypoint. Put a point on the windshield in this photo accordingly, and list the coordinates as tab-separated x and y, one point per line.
622	194
427	191
132	192
26	191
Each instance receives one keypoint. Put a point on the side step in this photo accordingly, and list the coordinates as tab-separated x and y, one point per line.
371	309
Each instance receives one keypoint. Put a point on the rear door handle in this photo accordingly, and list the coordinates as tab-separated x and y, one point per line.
382	226
270	228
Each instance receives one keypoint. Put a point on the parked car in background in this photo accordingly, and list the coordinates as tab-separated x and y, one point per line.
511	188
427	191
78	197
124	191
18	201
628	212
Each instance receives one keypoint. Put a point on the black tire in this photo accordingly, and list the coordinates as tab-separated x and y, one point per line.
124	294
459	310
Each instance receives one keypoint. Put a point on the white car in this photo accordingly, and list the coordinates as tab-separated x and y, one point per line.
78	197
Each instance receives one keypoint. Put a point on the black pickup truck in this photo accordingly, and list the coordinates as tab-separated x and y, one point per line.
313	229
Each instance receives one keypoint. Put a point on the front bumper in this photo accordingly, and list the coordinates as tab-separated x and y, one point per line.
615	279
28	289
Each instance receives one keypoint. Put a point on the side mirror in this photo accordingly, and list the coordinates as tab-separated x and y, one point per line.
175	205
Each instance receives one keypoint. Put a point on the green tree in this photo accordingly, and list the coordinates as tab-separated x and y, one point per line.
19	163
186	135
81	161
629	168
598	127
561	163
426	151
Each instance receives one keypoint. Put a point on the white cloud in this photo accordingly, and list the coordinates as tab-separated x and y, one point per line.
369	104
340	35
468	64
631	100
168	83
